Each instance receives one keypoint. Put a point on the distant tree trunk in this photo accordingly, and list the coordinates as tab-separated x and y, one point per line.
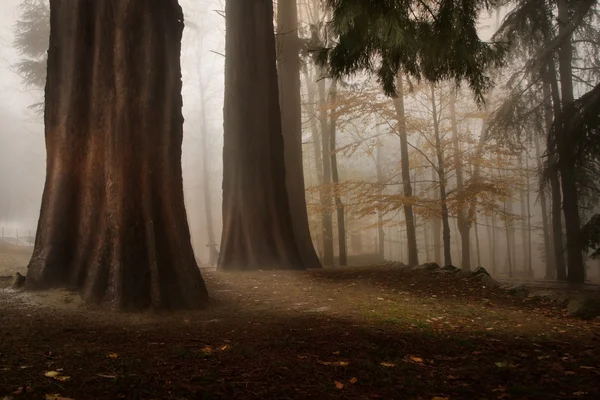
464	226
326	157
113	224
212	244
477	241
550	271
257	224
557	230
291	122
442	180
339	206
411	233
527	196
491	222
436	225
378	166
568	155
525	217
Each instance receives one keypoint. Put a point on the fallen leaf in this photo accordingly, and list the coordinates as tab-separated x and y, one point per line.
112	355
339	385
302	357
63	378
207	349
353	380
52	374
224	347
416	359
107	376
387	364
500	389
579	393
440	398
502	364
335	363
56	397
504	396
569	373
586	367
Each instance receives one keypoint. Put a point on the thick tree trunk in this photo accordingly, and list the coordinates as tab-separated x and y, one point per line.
568	156
411	233
326	186
441	180
464	225
291	122
113	224
257	224
339	206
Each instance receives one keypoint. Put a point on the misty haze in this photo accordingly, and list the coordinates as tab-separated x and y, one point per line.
302	199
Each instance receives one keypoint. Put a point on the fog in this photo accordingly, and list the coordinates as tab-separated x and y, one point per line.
502	246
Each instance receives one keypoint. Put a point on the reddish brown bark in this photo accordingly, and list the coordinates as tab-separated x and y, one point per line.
113	224
257	224
291	120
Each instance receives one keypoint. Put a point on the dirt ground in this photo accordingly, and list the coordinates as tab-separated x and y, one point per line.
14	258
354	333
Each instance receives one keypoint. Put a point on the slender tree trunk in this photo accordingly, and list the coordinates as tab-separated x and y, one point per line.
378	166
527	197
568	155
525	217
411	234
212	244
555	185
343	259
441	180
257	224
113	224
326	157
550	271
464	226
291	122
436	225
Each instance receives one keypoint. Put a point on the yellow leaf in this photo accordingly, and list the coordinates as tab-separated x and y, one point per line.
387	364
112	355
416	359
62	378
52	374
339	385
224	347
353	380
107	376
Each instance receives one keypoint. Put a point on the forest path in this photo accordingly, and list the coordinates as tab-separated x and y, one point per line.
343	333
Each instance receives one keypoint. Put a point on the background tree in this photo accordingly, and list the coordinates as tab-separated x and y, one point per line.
113	223
257	226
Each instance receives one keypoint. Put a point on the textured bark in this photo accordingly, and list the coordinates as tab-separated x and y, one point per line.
291	122
568	154
257	224
441	180
339	206
411	233
113	224
326	187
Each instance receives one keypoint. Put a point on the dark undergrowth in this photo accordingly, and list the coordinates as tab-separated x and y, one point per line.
356	333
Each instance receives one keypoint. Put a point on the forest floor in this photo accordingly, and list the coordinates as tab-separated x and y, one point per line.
342	333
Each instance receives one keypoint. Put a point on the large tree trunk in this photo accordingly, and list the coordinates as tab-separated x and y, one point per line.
411	233
568	155
257	224
113	224
291	122
339	206
326	185
441	180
